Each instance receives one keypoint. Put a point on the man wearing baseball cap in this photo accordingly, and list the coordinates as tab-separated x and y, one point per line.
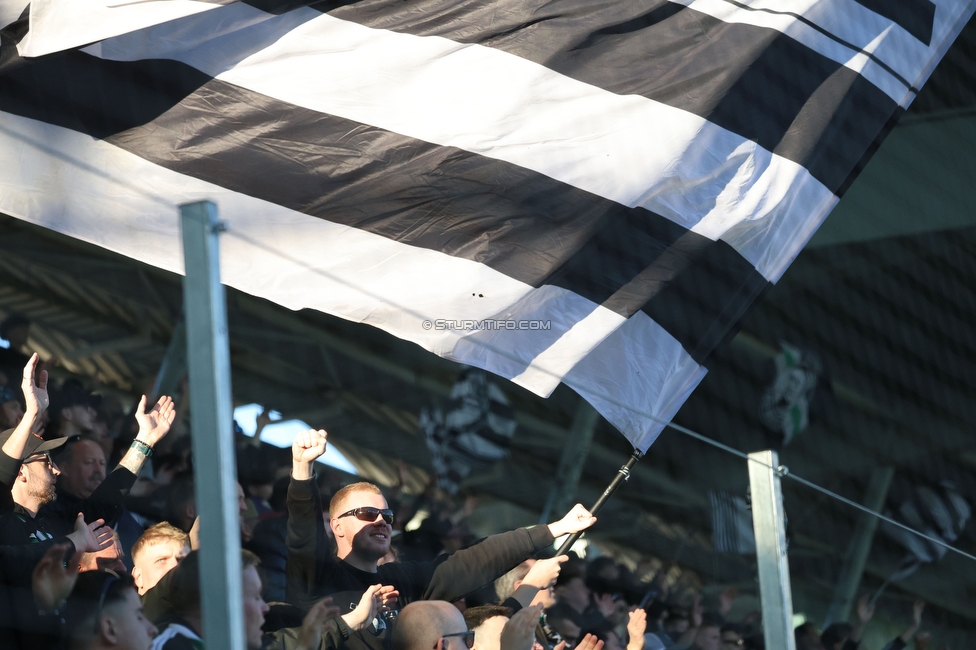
24	521
27	474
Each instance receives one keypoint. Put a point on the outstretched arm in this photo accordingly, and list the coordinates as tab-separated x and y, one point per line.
576	520
477	565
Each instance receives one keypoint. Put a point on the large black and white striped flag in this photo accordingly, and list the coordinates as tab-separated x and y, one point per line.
584	191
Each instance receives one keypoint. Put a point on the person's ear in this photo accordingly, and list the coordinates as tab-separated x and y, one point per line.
517	584
66	414
22	473
107	627
137	577
336	526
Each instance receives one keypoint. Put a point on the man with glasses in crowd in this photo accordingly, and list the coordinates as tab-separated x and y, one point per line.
362	524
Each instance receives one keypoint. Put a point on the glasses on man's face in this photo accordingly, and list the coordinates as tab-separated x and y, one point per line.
369	514
466	637
45	459
735	643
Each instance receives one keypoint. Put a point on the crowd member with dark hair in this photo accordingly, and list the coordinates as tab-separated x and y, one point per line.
574	601
361	523
14	329
844	636
706	638
11	411
807	637
73	410
487	622
901	641
104	611
269	543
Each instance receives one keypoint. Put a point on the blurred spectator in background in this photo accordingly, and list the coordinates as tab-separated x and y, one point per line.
11	410
15	329
807	637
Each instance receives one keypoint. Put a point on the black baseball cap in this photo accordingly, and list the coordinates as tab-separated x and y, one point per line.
36	445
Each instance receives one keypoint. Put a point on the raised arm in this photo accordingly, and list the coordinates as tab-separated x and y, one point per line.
309	551
153	426
36	401
106	501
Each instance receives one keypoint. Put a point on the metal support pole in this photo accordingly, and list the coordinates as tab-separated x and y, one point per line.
575	451
769	524
173	367
623	474
859	546
215	471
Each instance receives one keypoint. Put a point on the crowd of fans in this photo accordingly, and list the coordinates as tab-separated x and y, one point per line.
98	549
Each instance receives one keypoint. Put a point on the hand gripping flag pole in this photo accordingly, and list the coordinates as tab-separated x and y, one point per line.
623	474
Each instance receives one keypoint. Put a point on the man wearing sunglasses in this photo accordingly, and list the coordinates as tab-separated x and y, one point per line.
361	523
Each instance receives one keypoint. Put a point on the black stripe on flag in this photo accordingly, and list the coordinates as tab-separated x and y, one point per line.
753	81
917	17
514	220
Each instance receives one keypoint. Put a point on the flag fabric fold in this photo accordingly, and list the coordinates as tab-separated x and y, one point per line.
577	192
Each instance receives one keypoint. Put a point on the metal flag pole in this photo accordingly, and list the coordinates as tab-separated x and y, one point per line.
623	474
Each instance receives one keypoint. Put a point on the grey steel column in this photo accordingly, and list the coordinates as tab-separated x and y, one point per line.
769	524
215	471
859	546
575	451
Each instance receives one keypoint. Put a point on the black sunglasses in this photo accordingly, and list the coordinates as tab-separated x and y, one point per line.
467	637
369	514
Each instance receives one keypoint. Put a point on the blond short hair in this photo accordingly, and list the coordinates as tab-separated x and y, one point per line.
336	504
158	534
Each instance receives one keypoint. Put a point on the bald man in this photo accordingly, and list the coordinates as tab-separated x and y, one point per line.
427	624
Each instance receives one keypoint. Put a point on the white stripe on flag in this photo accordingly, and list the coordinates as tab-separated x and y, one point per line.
853	23
628	149
58	25
96	192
